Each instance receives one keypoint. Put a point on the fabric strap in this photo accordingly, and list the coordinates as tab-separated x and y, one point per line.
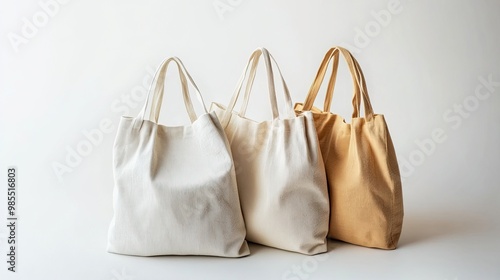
159	88
252	65
360	91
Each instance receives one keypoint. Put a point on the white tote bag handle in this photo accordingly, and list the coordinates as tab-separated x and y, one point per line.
159	87
254	59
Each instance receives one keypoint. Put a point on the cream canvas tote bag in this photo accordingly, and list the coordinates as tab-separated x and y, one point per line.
175	188
280	172
362	169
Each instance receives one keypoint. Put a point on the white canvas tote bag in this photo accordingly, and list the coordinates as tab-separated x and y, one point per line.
280	171
175	188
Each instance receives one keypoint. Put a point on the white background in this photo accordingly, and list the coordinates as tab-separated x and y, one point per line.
78	66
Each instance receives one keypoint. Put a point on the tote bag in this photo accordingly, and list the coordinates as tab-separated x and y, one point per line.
175	188
280	172
362	169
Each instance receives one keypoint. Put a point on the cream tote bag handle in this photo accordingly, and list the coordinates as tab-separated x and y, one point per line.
254	60
159	87
359	85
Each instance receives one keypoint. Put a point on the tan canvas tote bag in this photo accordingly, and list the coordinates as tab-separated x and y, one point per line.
362	169
175	188
279	169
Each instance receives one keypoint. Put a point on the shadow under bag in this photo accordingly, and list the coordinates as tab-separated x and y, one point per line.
175	188
361	166
280	172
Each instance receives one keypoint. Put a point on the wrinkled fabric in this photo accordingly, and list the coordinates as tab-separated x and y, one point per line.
363	179
281	181
175	191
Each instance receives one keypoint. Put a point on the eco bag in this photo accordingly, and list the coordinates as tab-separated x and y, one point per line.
361	166
279	169
175	188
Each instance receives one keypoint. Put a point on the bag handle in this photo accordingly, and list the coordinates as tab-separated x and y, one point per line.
360	91
254	60
159	90
248	88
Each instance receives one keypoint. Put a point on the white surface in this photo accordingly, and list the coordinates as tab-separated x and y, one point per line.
74	71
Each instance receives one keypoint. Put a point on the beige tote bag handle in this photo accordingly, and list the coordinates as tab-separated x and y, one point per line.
159	87
359	85
254	59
